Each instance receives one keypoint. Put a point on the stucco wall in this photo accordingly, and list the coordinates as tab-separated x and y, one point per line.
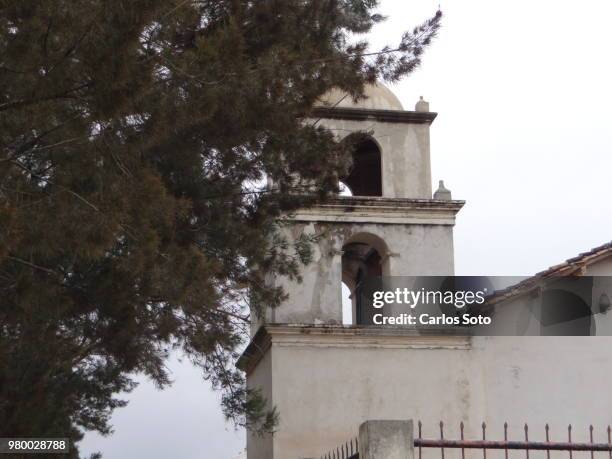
261	378
600	268
324	391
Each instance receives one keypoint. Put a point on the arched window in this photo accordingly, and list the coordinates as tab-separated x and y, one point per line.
365	175
566	307
362	260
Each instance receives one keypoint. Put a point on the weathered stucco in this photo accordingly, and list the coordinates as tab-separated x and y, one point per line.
260	378
326	382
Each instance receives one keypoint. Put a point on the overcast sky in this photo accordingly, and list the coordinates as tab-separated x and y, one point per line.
523	134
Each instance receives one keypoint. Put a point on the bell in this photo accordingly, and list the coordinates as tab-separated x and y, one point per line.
442	192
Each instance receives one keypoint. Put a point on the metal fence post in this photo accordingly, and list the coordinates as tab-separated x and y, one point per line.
386	440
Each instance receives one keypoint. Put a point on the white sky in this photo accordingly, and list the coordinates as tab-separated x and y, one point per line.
523	93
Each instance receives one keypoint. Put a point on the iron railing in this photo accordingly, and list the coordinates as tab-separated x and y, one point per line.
507	445
349	450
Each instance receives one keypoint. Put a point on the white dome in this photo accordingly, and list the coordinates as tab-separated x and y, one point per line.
378	97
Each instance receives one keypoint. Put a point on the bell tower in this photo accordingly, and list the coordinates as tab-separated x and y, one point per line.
388	225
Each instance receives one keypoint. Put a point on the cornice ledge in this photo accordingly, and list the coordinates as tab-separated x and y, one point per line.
395	203
382	210
349	336
389	116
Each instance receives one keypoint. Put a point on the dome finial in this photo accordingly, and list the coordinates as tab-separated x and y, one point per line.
422	105
442	193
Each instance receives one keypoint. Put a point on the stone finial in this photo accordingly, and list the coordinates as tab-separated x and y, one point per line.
442	192
422	105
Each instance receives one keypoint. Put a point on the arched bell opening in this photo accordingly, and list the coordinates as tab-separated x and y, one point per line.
363	260
364	177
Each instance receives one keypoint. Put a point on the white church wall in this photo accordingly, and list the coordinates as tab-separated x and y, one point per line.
600	268
260	377
602	285
547	379
325	389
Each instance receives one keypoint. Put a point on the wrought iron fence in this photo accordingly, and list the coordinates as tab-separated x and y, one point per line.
507	444
349	450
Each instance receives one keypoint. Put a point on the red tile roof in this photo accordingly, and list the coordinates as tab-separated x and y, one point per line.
567	268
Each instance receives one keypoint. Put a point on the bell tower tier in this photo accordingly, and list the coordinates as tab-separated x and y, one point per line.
400	137
410	237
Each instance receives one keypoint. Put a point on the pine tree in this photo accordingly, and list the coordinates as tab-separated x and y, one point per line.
135	136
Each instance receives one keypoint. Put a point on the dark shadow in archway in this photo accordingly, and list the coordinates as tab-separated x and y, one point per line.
566	309
365	175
